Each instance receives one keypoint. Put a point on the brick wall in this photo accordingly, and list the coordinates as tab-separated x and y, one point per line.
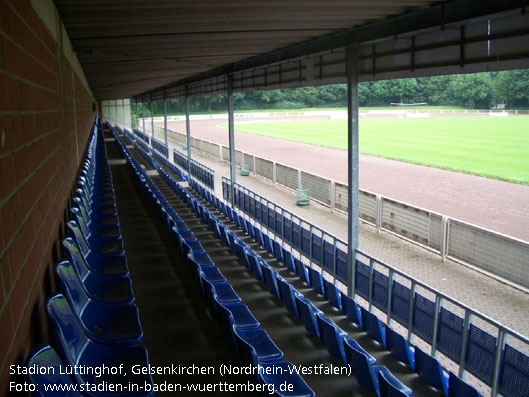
45	121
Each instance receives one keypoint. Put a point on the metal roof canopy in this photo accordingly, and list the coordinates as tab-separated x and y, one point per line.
134	47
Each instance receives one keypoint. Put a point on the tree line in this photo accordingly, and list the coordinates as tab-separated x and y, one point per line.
473	91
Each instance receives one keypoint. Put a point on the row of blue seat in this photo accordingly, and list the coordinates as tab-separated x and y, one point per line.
94	318
242	331
204	174
424	364
408	307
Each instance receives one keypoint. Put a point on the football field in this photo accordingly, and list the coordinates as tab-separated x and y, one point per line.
496	147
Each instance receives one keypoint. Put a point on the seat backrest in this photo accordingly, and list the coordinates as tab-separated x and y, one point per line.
301	271
255	265
286	294
278	252
268	243
289	260
75	257
307	313
332	294
79	238
373	326
255	346
71	286
44	356
390	386
333	337
351	309
78	217
431	370
399	347
316	280
362	364
459	388
69	335
269	276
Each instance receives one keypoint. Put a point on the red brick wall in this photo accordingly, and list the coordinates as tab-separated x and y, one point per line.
45	121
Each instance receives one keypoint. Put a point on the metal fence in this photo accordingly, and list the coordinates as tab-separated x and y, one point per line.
470	340
500	256
204	174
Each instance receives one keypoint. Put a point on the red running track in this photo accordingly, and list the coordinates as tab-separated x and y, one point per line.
489	203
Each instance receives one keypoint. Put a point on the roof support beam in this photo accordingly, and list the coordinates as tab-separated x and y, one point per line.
188	135
231	131
352	165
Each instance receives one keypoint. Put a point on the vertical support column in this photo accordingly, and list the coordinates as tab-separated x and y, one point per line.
352	166
188	134
137	126
152	120
231	138
165	123
131	125
143	113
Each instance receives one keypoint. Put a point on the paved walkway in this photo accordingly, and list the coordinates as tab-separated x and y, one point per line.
489	203
490	297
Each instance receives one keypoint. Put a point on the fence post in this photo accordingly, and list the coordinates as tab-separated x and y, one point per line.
435	326
464	343
445	224
411	308
371	280
254	167
391	278
333	195
300	183
500	345
274	172
378	219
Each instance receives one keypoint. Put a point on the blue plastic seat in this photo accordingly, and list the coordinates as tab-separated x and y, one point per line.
277	374
287	294
315	280
301	271
259	236
104	323
390	386
44	356
351	309
106	246
270	280
363	366
109	288
243	224
255	347
399	347
307	313
373	326
95	217
77	349
235	315
255	264
431	370
100	231
331	293
459	388
278	252
332	337
289	261
99	263
238	247
268	244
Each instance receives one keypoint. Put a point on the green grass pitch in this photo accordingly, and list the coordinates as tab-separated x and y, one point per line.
487	146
